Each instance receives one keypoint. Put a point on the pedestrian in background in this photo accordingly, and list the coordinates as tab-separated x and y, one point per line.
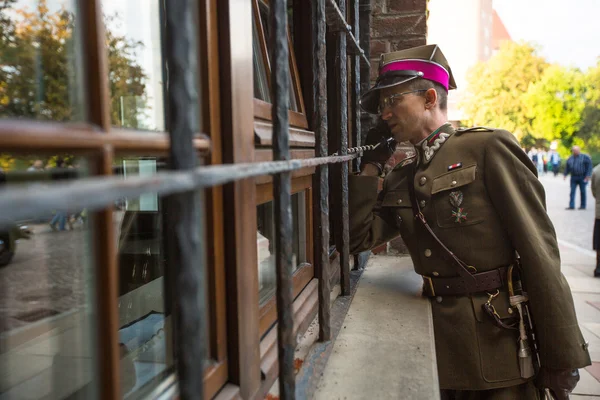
596	239
580	167
555	162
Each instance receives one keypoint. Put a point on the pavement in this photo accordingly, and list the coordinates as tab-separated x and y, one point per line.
574	229
368	361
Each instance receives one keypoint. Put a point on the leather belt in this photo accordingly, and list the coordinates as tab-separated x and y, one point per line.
458	286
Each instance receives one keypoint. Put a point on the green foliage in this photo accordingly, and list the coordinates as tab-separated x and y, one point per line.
40	72
494	94
555	104
539	102
590	118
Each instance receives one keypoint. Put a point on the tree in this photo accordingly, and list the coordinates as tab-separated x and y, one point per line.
494	95
39	71
590	119
555	104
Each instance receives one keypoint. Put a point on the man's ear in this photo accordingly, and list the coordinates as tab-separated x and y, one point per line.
431	98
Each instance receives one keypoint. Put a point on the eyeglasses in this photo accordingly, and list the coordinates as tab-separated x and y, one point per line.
389	101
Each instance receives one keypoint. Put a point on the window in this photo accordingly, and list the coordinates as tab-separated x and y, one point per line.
135	63
39	78
144	323
262	70
266	243
46	291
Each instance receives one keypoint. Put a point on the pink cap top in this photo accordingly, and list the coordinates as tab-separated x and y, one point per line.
431	71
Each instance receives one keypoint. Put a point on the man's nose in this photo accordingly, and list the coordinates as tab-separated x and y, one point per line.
386	113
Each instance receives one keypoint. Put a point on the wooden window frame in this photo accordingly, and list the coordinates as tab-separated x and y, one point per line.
101	143
305	272
263	109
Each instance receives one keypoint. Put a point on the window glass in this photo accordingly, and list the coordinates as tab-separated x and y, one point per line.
38	59
47	346
261	83
135	63
264	16
144	322
266	242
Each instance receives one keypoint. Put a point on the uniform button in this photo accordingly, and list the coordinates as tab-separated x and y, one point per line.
435	273
422	181
399	201
428	254
438	299
399	219
585	345
422	203
454	183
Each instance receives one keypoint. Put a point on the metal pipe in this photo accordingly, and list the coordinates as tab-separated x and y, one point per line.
35	200
337	21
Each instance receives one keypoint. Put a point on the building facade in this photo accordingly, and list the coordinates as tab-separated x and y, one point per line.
95	97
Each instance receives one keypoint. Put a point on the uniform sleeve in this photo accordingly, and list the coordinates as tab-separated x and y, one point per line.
594	187
368	223
519	198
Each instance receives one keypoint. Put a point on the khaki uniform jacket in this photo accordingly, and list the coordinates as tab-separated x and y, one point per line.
596	188
504	211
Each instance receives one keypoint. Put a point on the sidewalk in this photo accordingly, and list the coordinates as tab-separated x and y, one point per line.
577	266
386	347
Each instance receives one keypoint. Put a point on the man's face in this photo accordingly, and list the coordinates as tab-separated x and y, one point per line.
576	151
404	113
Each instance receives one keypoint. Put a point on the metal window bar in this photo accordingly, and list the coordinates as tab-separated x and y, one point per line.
355	94
282	186
340	184
97	193
321	189
337	22
185	249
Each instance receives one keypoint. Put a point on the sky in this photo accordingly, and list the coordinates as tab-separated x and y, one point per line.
568	31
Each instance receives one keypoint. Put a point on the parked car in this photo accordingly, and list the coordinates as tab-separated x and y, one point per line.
9	239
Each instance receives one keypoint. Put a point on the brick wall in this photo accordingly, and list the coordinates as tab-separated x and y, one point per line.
395	25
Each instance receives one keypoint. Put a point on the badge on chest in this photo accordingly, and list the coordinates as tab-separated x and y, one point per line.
456	199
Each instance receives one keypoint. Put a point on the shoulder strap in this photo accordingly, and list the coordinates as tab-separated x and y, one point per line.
461	266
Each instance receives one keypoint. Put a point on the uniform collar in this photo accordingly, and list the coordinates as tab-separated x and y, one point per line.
428	147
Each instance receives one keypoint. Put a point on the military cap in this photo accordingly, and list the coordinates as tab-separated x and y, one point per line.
425	62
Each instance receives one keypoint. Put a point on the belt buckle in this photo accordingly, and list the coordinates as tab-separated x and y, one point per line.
428	281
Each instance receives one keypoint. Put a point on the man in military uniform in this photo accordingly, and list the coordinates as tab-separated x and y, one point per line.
469	207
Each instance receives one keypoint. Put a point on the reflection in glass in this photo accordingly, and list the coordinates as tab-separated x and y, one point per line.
135	63
266	243
39	78
264	16
46	287
143	320
261	84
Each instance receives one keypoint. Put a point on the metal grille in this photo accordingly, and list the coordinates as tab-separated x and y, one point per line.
184	182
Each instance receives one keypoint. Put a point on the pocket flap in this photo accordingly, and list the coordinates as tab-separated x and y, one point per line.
396	198
454	179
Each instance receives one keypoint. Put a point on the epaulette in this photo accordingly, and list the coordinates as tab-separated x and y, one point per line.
405	162
460	131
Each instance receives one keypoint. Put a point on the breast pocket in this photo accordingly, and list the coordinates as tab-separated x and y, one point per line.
455	196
